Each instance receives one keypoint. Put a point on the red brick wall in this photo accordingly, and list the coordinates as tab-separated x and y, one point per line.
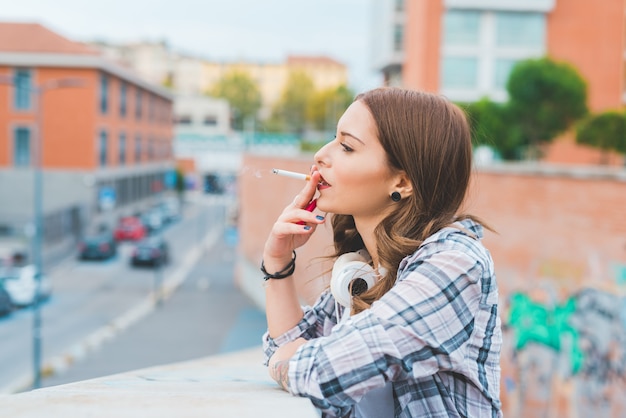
543	216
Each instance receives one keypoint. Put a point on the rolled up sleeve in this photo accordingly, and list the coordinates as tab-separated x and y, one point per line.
318	320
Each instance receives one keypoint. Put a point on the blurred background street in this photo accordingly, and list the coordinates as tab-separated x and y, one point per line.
119	328
206	315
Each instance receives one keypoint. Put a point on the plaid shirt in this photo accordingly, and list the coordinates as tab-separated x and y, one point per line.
435	335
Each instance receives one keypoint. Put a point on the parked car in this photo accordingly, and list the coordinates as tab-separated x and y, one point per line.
6	304
152	251
171	209
21	285
100	246
153	220
129	228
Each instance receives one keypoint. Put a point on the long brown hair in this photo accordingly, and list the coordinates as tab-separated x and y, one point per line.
427	137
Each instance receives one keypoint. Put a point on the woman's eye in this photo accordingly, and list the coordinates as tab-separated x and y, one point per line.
346	148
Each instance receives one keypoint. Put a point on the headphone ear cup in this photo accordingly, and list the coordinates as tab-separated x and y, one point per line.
351	272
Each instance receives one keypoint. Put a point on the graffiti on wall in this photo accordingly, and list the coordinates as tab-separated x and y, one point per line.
566	354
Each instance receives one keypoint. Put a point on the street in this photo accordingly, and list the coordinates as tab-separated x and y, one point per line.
100	307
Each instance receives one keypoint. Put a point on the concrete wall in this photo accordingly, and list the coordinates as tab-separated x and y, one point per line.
62	189
560	256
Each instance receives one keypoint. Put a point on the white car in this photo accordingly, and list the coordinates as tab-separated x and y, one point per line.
21	285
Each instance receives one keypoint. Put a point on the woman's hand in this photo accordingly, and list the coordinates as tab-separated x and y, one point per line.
286	234
279	362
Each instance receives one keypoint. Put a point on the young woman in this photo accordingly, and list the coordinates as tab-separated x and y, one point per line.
424	340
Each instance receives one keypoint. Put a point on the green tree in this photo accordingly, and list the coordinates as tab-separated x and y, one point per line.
242	93
606	130
493	125
326	107
546	97
179	184
291	109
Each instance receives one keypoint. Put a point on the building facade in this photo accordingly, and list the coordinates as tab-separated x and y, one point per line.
189	75
466	49
100	134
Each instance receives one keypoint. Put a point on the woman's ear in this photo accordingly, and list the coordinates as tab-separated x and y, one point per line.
403	184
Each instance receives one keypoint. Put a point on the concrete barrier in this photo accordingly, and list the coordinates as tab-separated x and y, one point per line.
230	385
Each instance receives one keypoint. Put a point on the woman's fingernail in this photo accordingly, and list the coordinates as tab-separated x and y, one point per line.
319	217
307	227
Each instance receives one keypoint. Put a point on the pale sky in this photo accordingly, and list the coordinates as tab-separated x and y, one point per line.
254	30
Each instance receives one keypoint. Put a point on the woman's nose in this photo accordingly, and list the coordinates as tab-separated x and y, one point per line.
321	156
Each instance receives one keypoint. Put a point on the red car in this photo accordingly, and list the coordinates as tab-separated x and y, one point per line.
129	228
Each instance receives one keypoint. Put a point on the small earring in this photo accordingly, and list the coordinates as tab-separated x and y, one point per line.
396	196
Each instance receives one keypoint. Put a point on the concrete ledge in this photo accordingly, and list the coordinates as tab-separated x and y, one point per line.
230	385
581	172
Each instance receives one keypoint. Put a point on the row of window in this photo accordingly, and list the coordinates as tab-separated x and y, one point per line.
480	48
153	149
157	108
511	29
131	189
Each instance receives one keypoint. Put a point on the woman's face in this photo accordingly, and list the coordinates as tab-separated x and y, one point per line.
357	179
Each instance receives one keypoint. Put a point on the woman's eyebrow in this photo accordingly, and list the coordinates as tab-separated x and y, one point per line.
352	136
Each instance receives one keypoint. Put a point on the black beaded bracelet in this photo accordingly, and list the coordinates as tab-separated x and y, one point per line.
286	272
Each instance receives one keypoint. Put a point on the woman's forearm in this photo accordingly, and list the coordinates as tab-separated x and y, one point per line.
279	363
282	306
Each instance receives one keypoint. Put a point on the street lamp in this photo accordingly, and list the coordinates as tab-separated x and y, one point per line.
37	95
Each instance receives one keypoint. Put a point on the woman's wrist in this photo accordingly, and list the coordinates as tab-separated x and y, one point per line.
283	272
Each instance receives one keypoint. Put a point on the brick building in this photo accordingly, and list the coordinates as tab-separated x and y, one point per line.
105	134
466	49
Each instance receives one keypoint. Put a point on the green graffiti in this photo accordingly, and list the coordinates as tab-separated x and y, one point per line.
533	322
620	274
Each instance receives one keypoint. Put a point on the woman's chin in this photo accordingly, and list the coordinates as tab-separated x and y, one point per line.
323	206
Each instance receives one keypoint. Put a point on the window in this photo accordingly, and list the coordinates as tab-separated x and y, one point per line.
138	148
503	70
104	93
461	27
102	148
138	98
183	120
460	72
122	99
210	120
150	149
23	86
520	29
151	107
398	38
21	147
122	148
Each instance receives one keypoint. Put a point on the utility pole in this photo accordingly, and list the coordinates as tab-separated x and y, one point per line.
37	94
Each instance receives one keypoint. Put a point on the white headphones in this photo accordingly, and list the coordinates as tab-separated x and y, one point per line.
351	275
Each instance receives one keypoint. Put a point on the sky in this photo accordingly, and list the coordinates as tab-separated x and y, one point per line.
253	30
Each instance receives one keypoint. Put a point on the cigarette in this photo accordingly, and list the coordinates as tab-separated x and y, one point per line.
291	174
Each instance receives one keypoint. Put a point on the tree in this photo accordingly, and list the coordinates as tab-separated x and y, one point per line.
242	93
493	125
179	184
546	97
606	131
326	107
291	109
